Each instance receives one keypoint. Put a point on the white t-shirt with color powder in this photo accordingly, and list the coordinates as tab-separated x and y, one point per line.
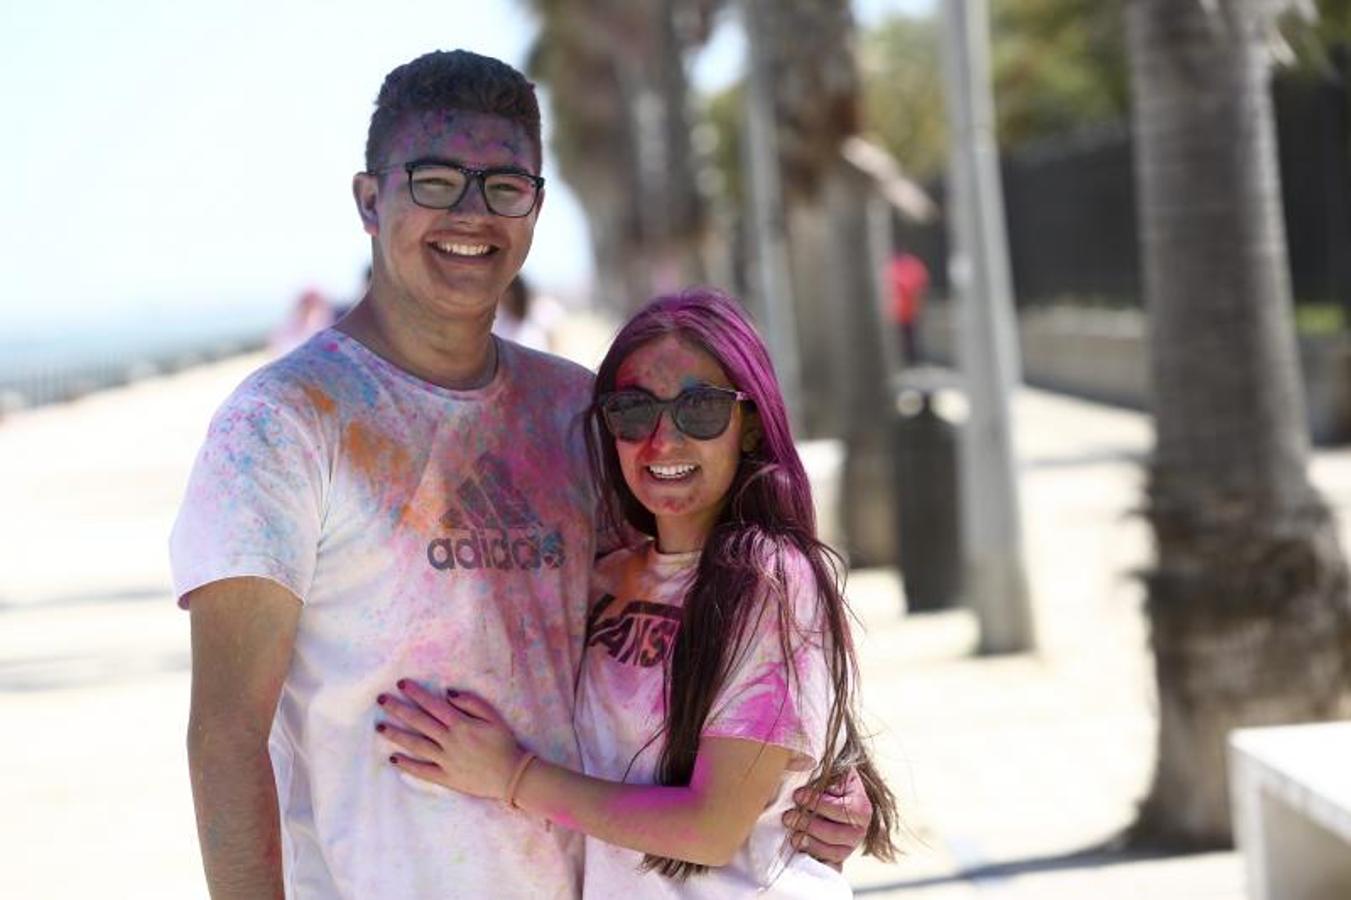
636	600
444	536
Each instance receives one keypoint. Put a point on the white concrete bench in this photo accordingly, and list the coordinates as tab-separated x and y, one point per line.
1290	787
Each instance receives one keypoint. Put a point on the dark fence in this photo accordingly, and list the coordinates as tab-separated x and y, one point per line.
1070	206
1314	123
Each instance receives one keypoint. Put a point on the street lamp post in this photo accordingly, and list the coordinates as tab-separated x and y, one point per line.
994	582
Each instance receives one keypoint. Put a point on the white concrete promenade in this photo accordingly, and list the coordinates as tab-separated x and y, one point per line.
1005	766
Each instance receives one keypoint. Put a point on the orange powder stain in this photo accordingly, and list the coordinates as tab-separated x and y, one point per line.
373	455
422	513
322	402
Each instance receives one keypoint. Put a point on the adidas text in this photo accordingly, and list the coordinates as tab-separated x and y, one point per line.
496	548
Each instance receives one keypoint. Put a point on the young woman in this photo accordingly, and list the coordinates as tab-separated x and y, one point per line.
718	674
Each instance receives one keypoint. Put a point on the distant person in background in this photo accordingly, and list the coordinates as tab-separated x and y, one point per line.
526	317
310	315
908	280
513	317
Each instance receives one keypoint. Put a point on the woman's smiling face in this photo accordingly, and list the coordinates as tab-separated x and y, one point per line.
682	481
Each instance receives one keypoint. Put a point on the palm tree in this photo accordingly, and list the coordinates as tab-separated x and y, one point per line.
1247	599
834	241
616	78
815	100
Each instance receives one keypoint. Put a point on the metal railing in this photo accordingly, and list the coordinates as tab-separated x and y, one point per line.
57	377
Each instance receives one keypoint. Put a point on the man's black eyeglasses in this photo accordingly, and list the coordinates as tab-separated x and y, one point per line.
701	412
441	185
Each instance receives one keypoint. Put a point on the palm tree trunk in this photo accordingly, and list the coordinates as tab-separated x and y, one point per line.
1248	598
817	98
621	136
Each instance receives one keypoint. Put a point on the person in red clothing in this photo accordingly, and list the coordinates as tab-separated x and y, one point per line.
908	280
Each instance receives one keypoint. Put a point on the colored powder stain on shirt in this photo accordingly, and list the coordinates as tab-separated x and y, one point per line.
322	401
761	709
373	455
250	435
420	515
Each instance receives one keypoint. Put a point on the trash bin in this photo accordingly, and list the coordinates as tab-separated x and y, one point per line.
927	503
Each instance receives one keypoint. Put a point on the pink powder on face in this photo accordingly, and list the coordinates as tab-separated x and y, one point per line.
686	508
463	135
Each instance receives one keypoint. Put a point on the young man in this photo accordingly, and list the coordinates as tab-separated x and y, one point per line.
402	495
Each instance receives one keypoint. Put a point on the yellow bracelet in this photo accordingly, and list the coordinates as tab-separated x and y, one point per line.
510	798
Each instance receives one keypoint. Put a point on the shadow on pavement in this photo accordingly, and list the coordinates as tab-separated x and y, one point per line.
64	672
87	598
1092	457
1097	857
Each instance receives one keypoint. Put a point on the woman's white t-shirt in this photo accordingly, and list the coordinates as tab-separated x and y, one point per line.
633	620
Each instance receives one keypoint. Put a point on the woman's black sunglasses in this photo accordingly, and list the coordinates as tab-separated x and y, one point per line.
701	412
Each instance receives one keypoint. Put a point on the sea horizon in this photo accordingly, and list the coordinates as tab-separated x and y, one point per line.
66	355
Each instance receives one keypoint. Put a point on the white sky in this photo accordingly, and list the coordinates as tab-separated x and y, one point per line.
172	155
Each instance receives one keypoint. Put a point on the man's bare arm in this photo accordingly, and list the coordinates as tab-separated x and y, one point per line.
243	631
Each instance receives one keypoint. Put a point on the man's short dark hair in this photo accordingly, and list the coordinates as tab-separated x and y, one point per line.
451	80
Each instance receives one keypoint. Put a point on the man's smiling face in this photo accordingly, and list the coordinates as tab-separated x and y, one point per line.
448	263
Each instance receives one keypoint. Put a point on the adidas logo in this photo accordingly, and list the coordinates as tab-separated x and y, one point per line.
492	526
